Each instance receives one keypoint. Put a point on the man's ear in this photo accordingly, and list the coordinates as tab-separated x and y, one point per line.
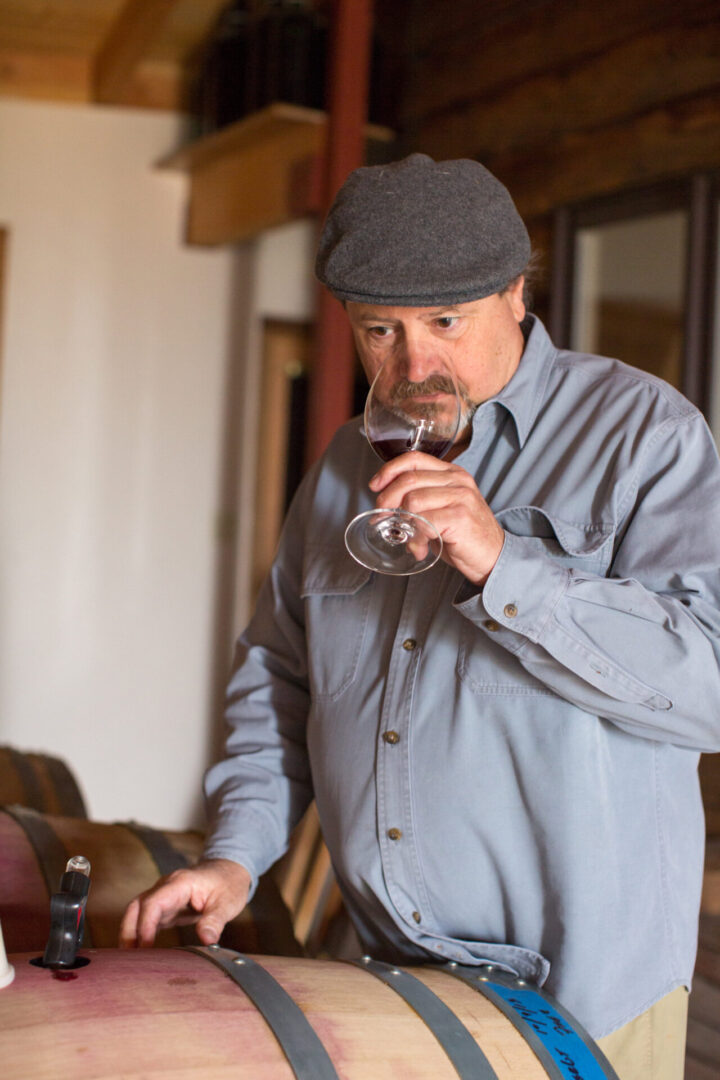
514	294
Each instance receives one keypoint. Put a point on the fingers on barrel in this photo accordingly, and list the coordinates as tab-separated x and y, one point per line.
156	908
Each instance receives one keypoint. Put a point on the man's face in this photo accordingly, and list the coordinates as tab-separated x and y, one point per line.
482	339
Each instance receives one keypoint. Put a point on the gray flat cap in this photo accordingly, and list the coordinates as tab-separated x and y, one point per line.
416	233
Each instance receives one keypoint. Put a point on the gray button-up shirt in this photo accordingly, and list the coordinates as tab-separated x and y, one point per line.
506	774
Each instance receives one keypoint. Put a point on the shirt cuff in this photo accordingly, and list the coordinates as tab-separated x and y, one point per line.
520	593
232	836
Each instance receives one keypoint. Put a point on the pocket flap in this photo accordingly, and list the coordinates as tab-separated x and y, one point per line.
328	571
573	538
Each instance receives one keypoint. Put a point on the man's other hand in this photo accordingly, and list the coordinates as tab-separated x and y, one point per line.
209	894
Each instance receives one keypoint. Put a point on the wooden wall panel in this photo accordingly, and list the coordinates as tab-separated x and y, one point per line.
440	26
626	80
679	138
564	100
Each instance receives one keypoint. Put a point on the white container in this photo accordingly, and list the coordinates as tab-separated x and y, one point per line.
7	971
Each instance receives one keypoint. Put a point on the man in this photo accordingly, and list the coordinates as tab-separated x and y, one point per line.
504	748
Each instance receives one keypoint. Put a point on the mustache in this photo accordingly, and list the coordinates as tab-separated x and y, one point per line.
434	384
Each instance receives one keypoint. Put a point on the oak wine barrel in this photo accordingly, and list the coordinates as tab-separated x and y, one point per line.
213	1014
126	858
40	781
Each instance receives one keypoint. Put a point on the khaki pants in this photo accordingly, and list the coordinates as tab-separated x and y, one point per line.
652	1046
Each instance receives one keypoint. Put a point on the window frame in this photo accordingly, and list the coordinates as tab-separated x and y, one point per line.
698	195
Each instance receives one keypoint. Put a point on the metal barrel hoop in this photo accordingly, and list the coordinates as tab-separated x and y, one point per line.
461	1048
565	1049
298	1040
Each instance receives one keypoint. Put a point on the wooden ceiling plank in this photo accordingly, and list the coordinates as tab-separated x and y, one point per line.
128	42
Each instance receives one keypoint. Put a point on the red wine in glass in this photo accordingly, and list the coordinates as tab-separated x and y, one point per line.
391	448
404	417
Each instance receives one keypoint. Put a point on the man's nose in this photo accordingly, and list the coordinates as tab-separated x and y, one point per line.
419	357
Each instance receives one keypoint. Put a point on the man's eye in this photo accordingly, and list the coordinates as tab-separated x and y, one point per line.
445	322
380	331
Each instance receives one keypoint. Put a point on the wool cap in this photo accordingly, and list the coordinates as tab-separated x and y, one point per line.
420	233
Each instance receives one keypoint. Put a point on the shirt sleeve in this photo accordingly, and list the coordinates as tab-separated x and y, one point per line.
259	791
640	646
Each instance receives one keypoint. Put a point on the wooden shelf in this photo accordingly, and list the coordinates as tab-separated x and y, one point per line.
262	171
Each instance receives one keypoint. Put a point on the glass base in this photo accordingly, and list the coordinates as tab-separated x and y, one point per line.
393	542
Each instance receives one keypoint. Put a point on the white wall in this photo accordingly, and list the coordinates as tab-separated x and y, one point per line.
115	352
286	286
283	287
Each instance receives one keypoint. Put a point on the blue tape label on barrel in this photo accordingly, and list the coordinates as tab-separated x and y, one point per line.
572	1056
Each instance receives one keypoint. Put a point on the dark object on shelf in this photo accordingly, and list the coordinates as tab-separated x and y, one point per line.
220	94
288	48
260	53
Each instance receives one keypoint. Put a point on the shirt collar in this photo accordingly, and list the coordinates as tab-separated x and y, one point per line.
524	393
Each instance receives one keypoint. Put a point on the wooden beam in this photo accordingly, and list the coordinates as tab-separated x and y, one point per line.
131	37
44	76
626	80
662	143
157	84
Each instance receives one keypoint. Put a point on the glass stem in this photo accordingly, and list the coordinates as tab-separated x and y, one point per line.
419	432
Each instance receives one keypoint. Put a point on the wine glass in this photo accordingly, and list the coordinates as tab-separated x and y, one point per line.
402	415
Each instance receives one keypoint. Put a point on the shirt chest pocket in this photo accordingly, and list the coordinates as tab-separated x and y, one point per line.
486	661
336	592
579	547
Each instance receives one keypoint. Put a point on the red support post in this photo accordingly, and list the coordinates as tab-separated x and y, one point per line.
332	377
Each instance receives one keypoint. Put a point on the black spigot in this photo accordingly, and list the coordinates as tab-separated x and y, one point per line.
67	916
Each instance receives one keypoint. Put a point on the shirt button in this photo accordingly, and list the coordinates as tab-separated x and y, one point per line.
394	834
409	644
510	611
391	737
416	916
491	625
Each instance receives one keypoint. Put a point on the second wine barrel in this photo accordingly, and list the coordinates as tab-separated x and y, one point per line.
126	858
41	781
